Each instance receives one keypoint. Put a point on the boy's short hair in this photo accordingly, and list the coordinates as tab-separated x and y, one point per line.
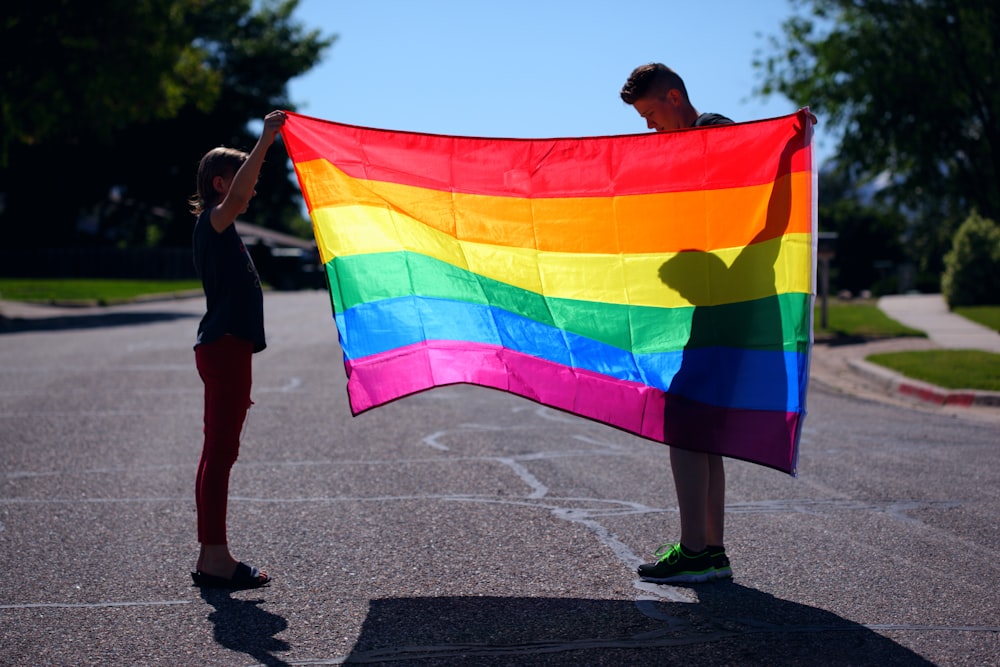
219	161
654	79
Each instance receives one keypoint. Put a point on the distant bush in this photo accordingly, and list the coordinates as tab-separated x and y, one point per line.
972	266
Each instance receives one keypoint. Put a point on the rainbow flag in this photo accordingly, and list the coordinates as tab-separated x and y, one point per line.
659	283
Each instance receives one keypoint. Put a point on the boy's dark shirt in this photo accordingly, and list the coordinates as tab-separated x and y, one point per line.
234	299
711	119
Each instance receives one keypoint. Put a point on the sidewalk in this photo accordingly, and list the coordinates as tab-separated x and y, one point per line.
929	313
843	367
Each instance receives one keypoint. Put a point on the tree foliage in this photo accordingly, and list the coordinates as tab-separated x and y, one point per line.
104	125
972	266
74	70
913	86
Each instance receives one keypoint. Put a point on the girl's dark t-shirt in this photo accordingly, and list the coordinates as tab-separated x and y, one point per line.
233	295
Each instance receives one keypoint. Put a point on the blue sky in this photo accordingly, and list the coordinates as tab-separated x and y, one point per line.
542	68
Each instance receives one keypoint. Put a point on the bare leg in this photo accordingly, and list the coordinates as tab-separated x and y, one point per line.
700	480
716	524
216	560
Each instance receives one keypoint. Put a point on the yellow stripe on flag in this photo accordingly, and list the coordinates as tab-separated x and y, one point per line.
613	278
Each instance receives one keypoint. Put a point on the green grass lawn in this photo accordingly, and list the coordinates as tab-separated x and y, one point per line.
857	319
951	369
988	316
86	291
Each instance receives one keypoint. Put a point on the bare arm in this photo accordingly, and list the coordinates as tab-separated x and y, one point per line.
241	188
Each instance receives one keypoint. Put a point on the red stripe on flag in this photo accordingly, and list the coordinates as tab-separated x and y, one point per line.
721	156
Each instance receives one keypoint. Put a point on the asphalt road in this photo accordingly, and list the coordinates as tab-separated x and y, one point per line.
459	526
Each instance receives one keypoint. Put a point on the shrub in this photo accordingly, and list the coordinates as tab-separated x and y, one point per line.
972	266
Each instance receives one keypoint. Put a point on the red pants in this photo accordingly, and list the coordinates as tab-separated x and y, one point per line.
224	366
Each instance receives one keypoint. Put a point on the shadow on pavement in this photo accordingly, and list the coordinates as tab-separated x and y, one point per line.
731	624
90	321
242	626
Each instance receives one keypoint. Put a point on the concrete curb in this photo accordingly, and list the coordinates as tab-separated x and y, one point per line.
896	383
70	304
27	310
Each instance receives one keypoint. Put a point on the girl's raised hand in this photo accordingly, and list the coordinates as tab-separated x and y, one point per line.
273	122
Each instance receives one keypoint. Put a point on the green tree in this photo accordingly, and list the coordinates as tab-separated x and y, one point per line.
139	146
913	88
75	70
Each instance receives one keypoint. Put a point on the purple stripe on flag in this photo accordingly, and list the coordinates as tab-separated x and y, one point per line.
767	437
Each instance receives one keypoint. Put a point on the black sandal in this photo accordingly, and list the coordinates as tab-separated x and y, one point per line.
245	577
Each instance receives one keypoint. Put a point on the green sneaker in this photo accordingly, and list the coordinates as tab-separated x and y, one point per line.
674	565
720	563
